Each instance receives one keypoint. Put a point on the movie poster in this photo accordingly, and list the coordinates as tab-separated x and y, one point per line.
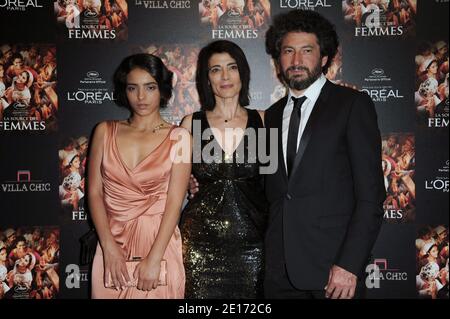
72	166
399	166
92	19
235	19
380	18
431	90
29	262
432	262
28	99
181	59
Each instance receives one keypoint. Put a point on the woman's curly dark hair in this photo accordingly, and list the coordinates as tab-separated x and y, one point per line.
303	21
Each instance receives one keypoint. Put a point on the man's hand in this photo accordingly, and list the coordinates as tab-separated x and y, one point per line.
193	186
341	284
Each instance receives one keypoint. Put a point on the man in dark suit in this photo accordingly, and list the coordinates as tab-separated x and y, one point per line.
327	194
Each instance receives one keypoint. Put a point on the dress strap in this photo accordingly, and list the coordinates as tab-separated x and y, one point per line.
254	119
198	118
109	135
197	115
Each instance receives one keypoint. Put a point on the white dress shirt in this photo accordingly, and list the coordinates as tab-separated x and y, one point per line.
312	94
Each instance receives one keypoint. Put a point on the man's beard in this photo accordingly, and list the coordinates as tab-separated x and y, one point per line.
295	82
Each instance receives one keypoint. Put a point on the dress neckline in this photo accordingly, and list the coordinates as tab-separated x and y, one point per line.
145	158
217	141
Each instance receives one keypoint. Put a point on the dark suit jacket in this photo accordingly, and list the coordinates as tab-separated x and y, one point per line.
331	209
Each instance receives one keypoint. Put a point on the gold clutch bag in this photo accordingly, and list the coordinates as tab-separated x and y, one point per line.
131	266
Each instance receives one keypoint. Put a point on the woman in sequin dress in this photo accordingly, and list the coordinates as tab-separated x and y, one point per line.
223	225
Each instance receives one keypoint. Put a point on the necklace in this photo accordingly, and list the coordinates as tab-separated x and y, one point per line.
154	129
158	127
226	120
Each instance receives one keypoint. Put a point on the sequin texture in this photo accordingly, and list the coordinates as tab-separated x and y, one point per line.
223	227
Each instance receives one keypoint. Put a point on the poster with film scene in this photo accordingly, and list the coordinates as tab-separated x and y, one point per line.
28	99
72	166
181	59
92	19
431	87
432	262
235	19
29	262
386	18
399	167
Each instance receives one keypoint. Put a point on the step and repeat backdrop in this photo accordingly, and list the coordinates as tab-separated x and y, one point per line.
56	64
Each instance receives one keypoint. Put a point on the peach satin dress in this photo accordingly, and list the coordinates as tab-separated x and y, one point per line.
135	200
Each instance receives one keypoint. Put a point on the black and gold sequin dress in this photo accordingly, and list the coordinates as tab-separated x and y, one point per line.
223	225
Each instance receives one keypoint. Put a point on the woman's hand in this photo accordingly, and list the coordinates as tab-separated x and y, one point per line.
147	274
193	186
116	272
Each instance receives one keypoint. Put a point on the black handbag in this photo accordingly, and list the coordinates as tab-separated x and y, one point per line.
88	246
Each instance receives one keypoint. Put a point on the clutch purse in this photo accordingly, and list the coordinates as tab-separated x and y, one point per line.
88	246
131	266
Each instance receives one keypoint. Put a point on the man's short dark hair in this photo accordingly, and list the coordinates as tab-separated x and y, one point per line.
303	21
150	63
204	89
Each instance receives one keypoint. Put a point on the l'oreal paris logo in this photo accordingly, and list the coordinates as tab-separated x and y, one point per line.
304	4
441	182
19	5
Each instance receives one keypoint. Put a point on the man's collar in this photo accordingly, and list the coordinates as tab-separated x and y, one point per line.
313	91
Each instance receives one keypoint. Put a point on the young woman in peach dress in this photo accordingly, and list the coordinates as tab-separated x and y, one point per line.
136	186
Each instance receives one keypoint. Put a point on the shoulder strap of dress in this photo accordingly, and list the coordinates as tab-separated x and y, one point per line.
254	119
109	134
198	116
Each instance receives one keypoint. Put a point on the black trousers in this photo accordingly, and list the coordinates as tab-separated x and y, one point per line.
278	286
